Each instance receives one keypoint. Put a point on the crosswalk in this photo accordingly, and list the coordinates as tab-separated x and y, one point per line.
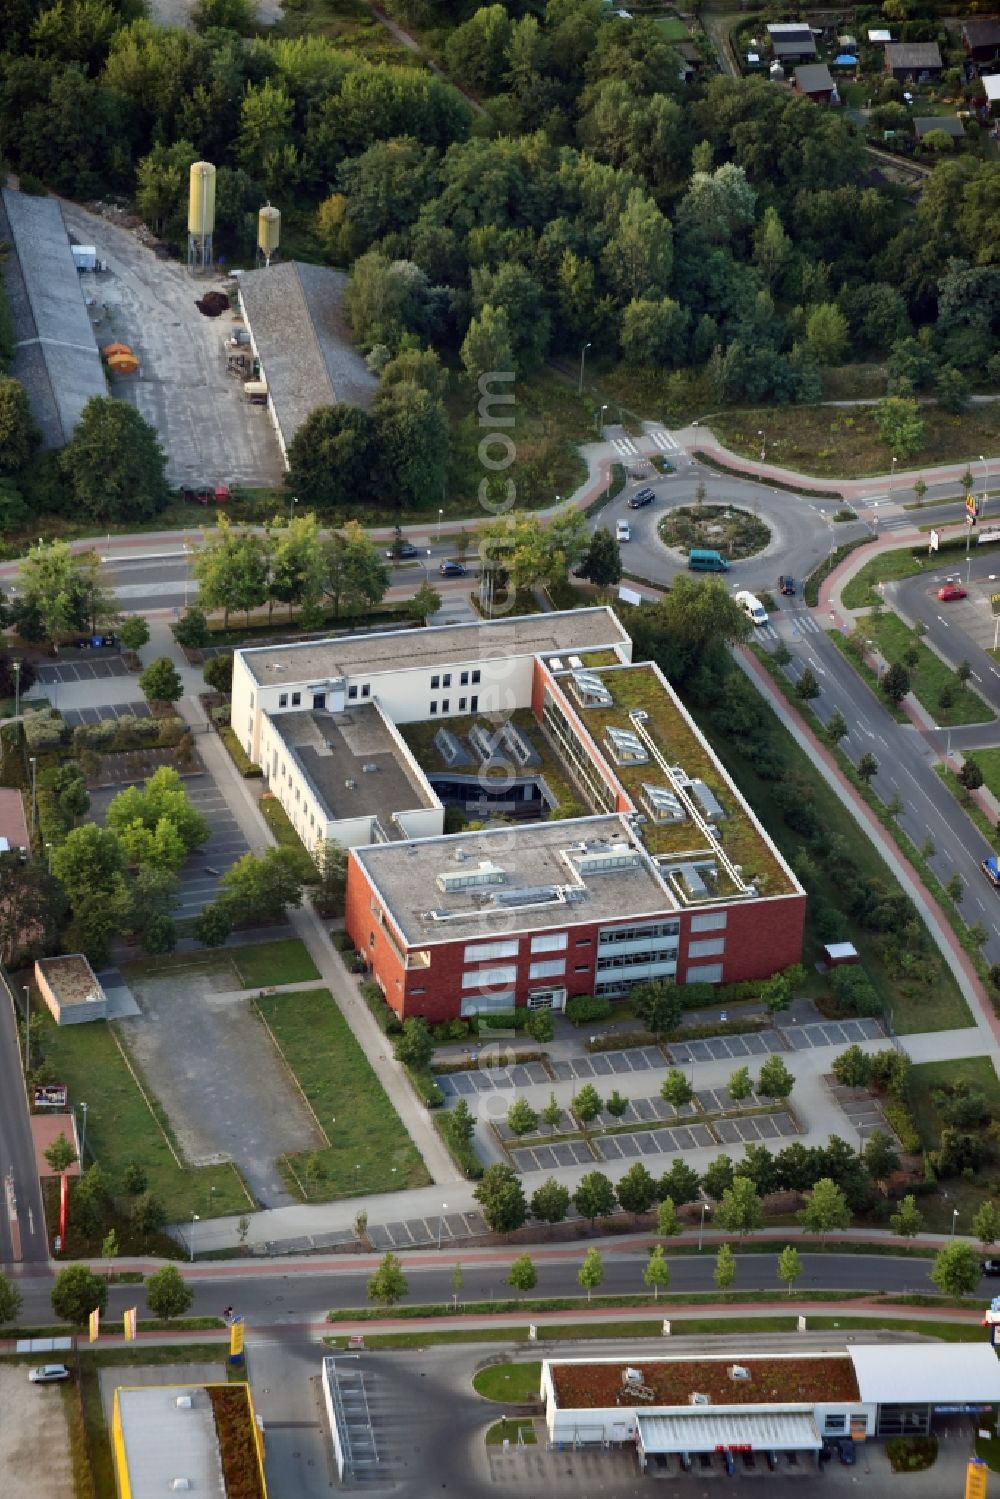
624	446
799	620
663	440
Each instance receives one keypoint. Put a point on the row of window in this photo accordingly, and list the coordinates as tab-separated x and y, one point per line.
443	679
650	931
487	952
366	690
601	797
465	705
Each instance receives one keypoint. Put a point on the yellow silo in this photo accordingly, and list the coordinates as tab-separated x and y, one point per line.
268	230
201	200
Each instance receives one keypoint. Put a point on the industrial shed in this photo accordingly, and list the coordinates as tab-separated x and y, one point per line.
298	331
55	358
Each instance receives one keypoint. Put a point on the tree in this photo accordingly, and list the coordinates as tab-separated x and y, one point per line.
880	1156
591	1272
789	1266
18	434
388	1284
260	889
657	1271
296	564
424	604
191	630
740	1211
658	1005
970	774
668	1225
134	1178
218	673
636	1190
486	350
231	570
615	1104
32	908
552	1112
908	1220
827	333
213	925
986	1223
166	1293
725	1268
10	1302
113	464
161	681
161	799
521	1117
415	1046
462	1123
956	1270
60	1154
522	1275
739	1084
775	1080
603	563
76	1293
776	992
691	625
896	682
354	576
867	767
59	591
955	886
853	1067
594	1197
501	1197
550	1201
900	425
134	632
411	446
836	727
681	1183
587	1103
826	1209
149	1215
806	686
717	1177
328	891
676	1088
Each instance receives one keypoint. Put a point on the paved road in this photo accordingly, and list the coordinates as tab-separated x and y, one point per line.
958	629
17	1157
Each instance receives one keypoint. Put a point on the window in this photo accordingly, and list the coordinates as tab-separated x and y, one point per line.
833	1422
296	795
550	942
583	942
488	952
581	967
434	708
703	973
477	676
283	700
435	682
463	681
352	693
251	701
444	705
461	704
488	978
366	690
709	921
552	968
446	679
371	939
319	699
709	947
653	931
296	699
473	704
487	1004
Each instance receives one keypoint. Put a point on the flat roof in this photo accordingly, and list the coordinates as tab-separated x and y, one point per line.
307	355
537	859
352	763
915	55
164	1441
708	1431
395	650
56	357
13	823
991	83
71	979
927	1373
779	1379
950	124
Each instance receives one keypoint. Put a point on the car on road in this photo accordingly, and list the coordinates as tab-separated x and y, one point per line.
402	549
786	585
847	1452
951	591
453	569
48	1374
991	1267
623	531
641	498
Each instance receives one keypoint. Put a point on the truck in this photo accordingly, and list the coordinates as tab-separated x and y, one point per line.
751	606
991	869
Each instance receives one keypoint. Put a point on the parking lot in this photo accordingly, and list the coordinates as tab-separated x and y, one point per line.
607	1063
486	1079
864	1111
76	716
833	1033
777	1126
654	1142
409	1233
100	667
727	1048
549	1157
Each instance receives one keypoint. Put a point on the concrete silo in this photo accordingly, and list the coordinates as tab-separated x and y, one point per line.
268	232
201	215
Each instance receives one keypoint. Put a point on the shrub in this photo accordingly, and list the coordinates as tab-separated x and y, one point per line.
855	991
218	672
44	729
385	1016
247	769
900	1121
587	1007
463	1152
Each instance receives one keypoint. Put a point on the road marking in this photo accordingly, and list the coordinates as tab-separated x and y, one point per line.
664	441
623	445
976	677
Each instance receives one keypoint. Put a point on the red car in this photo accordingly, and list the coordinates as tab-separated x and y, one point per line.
951	591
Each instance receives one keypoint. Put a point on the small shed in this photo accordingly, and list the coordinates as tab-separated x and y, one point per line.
913	60
85	257
981	39
879	37
992	87
71	989
950	124
839	954
815	82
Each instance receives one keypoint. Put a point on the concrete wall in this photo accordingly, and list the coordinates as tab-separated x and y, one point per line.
70	1014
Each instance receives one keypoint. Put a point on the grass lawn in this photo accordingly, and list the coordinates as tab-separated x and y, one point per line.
511	1382
502	1431
948	1332
280	824
859	592
929	675
988	761
977	1072
846	444
370	1149
121	1127
672	29
286	961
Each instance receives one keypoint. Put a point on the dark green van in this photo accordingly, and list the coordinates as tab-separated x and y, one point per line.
701	560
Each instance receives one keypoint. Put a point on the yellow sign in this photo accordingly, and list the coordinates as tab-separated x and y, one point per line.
995	602
971	507
95	1323
975	1479
129	1321
236	1337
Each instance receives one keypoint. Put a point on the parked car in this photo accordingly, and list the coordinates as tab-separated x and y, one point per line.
786	585
402	549
623	531
453	569
641	498
951	591
847	1452
48	1374
991	1267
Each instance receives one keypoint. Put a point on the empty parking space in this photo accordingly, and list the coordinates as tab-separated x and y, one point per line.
727	1048
833	1033
608	1063
486	1079
409	1233
775	1126
565	1125
649	1142
721	1101
76	716
549	1157
84	670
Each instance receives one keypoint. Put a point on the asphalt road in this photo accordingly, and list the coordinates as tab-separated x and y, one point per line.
305	1294
17	1157
916	598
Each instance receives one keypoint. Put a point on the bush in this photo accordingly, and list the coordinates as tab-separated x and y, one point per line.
855	991
463	1152
247	769
587	1007
900	1121
191	629
385	1016
218	672
43	729
911	1454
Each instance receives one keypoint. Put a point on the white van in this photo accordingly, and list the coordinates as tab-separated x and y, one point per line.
752	606
623	531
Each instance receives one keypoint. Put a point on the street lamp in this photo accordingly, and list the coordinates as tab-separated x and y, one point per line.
293	501
600	419
83	1133
892	475
954	1220
763	446
986	481
27	1028
34	778
440	518
444	1209
16	668
48	847
701	1226
583	355
194	1219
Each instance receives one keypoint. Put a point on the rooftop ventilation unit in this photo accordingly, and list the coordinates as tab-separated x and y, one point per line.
632	1376
696	1398
739	1372
710	804
351	784
638	715
590	691
555	664
681	776
485	873
527	895
369	768
178	1484
662	805
603	860
575	664
626	747
451	749
183	1402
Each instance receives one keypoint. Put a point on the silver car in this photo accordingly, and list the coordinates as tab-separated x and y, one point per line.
48	1374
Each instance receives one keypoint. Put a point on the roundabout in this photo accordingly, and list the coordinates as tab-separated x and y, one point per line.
734	532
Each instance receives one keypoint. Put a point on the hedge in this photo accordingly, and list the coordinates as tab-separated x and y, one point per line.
247	769
384	1015
462	1152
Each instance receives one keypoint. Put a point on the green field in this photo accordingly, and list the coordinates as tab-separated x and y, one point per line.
672	29
859	592
370	1150
977	1072
511	1382
121	1127
929	675
988	761
503	1431
258	965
